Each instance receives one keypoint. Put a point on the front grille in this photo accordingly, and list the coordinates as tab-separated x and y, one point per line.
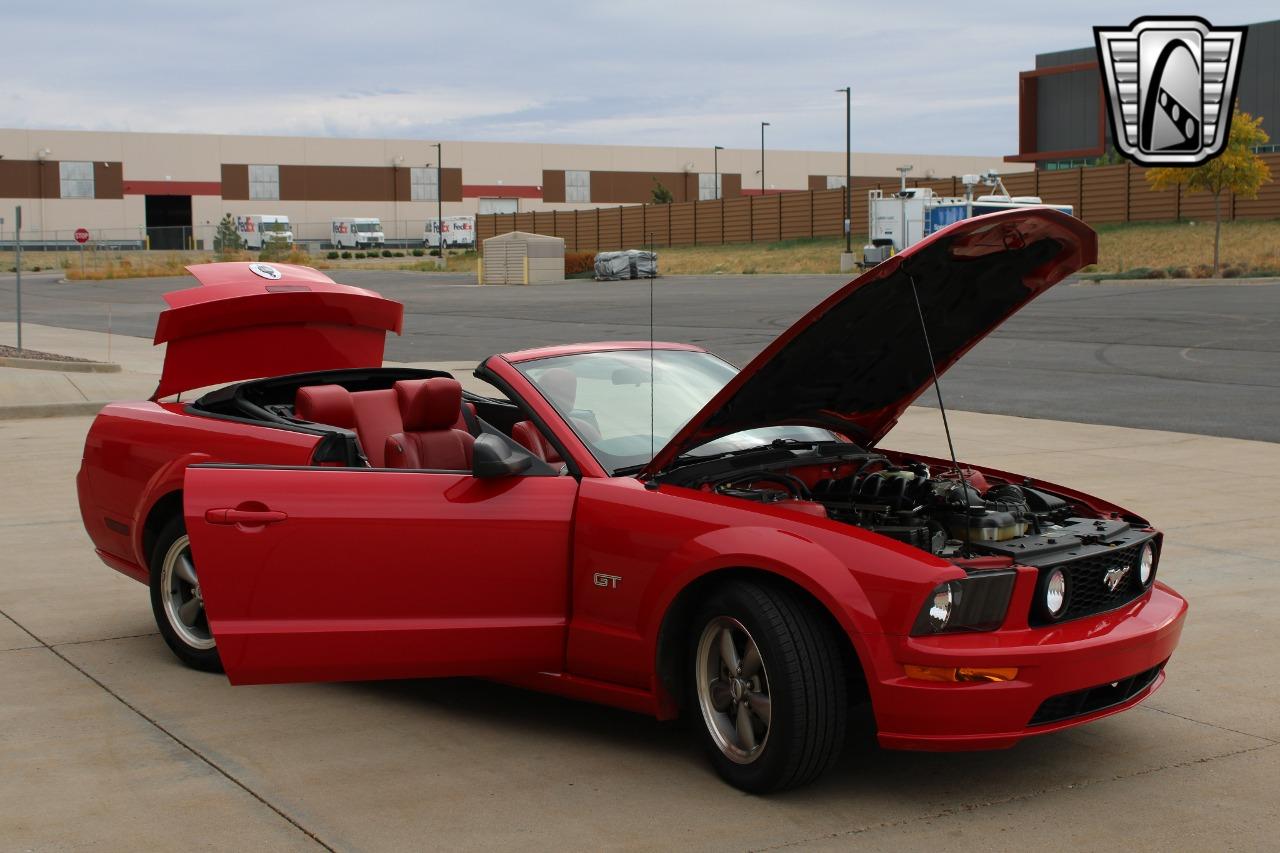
1067	705
1087	592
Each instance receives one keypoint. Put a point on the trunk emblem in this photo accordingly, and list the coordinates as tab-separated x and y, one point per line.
266	271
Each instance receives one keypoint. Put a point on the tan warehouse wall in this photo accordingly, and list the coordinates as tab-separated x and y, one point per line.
322	178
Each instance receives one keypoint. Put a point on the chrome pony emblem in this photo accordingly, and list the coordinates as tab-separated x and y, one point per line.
1114	577
266	271
1170	85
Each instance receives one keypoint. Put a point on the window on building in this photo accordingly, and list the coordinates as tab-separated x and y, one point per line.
709	186
835	182
424	183
77	179
1267	149
577	186
264	182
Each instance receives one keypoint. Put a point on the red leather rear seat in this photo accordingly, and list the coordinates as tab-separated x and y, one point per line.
430	410
374	415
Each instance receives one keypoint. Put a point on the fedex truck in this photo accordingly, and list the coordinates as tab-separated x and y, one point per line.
459	232
357	233
256	228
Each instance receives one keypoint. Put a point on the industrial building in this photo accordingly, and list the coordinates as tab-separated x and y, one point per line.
173	188
1062	113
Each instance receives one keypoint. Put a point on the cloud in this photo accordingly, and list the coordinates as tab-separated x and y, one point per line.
927	76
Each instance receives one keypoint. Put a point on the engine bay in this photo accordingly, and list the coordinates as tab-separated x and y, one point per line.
949	513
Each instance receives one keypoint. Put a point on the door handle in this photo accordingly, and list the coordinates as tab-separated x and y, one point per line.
247	517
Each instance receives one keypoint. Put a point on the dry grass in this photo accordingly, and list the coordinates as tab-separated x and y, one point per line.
1185	250
1160	250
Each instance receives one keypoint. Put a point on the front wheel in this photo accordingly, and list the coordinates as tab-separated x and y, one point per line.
177	602
768	683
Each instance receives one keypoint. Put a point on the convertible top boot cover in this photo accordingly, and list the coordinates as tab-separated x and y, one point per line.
249	320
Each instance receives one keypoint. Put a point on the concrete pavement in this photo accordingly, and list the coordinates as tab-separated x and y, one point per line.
106	741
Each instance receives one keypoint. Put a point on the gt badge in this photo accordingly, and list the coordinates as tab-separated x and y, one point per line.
1114	577
1170	82
266	271
610	581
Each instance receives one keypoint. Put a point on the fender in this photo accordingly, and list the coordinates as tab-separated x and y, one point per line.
767	549
166	479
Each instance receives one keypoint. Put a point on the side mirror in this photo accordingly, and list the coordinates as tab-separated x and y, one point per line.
493	457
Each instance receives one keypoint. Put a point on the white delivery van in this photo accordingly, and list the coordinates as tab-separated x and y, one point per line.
459	232
357	233
256	228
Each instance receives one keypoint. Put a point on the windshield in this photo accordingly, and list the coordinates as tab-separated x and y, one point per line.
605	397
366	227
275	226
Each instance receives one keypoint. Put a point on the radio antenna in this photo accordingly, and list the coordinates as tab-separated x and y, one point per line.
946	427
653	378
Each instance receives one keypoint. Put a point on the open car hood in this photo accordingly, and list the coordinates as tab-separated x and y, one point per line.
854	363
248	320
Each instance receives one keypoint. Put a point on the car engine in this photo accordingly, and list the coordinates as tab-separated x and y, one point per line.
934	511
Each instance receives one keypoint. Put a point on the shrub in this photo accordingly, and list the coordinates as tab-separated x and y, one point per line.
275	250
435	253
386	253
417	253
578	262
399	254
346	255
333	256
359	256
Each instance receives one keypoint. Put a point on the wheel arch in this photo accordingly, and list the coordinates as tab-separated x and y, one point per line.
163	510
675	629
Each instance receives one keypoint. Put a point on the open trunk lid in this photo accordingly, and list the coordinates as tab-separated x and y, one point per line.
248	320
856	361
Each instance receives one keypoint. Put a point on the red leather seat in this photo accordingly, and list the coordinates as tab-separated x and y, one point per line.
528	436
325	404
377	416
429	409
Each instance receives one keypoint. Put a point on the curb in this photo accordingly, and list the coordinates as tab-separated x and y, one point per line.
60	366
51	410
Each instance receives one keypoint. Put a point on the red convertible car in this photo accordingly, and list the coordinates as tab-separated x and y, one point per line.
634	524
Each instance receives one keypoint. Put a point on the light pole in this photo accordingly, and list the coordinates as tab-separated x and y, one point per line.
715	155
847	259
440	201
763	125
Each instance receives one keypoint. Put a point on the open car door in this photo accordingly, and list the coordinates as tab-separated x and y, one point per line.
331	574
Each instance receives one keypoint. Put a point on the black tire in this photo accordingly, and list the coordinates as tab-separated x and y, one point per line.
806	688
204	659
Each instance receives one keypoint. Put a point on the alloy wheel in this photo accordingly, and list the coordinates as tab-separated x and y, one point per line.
183	600
733	689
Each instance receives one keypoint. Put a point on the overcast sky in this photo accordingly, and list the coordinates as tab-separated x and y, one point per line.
927	77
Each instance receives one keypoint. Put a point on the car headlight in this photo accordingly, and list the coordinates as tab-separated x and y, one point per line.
1146	564
1055	593
975	603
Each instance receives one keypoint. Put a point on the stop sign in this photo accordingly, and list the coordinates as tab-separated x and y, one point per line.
82	235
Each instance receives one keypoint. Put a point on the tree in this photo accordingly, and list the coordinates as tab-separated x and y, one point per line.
1237	169
661	195
226	239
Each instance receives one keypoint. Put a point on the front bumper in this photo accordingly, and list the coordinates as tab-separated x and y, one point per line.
1057	662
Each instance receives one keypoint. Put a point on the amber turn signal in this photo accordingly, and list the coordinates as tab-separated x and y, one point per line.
963	673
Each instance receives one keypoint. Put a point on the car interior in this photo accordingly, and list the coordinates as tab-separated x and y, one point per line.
403	418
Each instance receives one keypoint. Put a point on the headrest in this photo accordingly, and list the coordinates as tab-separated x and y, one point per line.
325	404
561	386
429	404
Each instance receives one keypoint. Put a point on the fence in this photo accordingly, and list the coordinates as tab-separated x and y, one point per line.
1099	195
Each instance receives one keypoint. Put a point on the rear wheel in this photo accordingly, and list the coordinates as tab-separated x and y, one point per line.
177	602
768	684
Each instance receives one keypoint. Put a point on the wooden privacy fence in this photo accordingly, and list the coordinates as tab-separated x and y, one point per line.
1099	194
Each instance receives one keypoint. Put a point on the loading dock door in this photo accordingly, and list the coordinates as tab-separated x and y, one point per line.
169	221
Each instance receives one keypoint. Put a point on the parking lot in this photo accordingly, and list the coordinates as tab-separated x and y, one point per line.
107	741
1188	357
